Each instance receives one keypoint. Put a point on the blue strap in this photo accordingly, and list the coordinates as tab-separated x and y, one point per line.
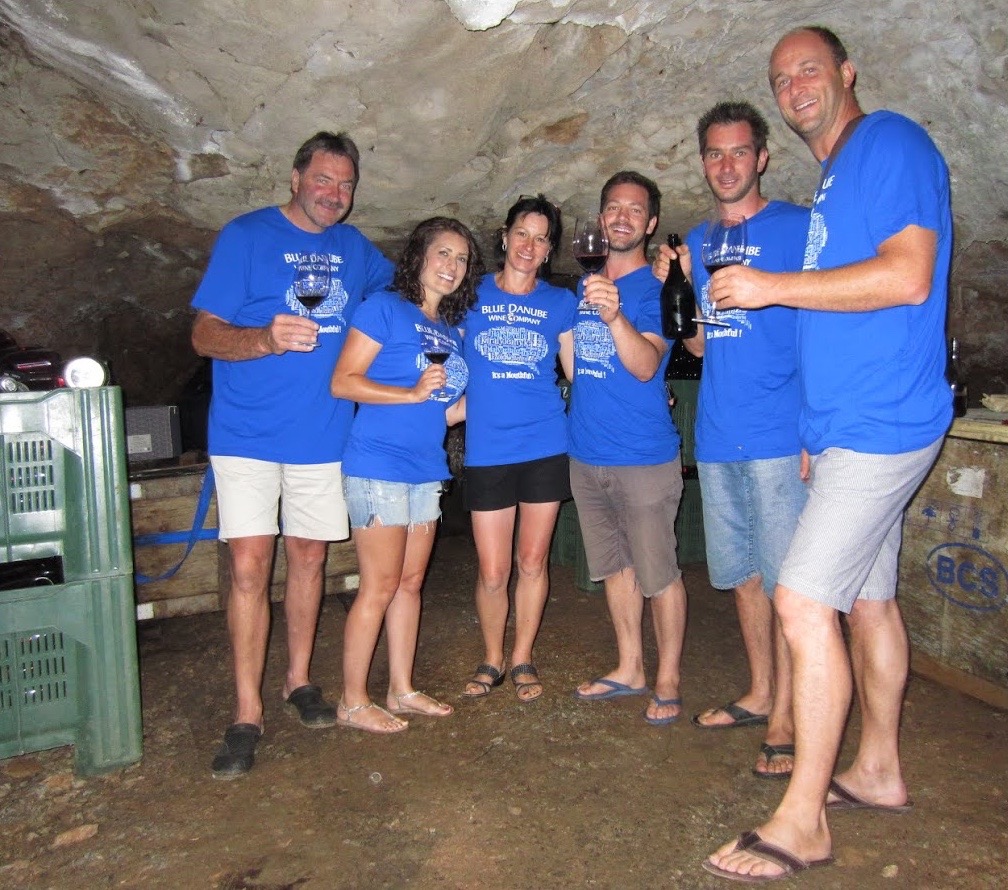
196	533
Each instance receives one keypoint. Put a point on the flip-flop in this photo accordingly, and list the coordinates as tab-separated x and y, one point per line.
663	703
752	842
770	752
615	690
848	800
740	717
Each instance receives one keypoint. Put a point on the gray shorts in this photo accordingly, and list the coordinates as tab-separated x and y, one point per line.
848	538
627	517
252	495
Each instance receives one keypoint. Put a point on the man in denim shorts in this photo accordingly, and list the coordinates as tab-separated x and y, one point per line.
747	425
276	435
875	407
626	475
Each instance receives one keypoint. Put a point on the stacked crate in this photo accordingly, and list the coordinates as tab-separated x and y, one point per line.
68	656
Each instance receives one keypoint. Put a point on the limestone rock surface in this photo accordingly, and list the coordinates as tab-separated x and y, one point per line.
133	129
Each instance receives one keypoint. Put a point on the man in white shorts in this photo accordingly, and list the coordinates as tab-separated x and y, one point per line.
875	407
275	433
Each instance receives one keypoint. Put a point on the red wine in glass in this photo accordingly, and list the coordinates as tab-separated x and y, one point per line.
310	301
591	262
724	244
311	280
437	358
591	244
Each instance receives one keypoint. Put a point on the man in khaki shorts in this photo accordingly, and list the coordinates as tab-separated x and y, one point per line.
625	469
276	435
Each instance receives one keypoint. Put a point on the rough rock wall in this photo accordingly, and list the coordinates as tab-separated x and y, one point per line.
132	129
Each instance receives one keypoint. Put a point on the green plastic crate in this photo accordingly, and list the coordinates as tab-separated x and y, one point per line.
568	548
686	393
689	525
566	536
69	674
66	489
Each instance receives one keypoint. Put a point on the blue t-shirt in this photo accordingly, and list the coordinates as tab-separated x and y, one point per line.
615	419
278	407
874	381
403	443
514	409
749	388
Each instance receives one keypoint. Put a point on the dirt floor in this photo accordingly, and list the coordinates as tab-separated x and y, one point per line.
556	793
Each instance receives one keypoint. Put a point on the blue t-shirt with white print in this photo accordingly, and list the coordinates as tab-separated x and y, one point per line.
403	443
616	419
514	409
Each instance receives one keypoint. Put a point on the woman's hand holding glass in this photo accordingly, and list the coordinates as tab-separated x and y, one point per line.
432	379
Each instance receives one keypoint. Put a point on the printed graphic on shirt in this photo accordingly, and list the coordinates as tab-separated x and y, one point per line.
593	344
329	313
817	234
512	346
738	316
437	346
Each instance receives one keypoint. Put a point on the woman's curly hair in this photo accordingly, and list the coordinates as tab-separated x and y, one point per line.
407	272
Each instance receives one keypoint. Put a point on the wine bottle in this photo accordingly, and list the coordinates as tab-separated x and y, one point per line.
678	302
956	382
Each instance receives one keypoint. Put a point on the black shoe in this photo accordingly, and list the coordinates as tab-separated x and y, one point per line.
313	710
237	754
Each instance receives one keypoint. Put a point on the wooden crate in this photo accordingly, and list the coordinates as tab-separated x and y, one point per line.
953	587
165	501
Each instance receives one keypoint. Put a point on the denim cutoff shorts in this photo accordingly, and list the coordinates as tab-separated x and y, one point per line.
376	502
750	512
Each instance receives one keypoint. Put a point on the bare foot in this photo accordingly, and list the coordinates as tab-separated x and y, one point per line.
416	702
663	709
765	854
528	686
729	716
874	791
610	687
369	717
775	760
483	681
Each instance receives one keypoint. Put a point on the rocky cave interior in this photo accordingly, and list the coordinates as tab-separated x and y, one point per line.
133	129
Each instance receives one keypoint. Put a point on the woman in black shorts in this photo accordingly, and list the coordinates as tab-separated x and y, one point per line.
516	438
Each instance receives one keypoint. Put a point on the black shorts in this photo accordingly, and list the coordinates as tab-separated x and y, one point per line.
540	481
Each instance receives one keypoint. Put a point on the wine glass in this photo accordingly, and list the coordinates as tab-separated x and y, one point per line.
437	353
591	243
311	281
724	244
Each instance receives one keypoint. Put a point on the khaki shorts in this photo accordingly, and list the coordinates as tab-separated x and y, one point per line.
253	494
627	517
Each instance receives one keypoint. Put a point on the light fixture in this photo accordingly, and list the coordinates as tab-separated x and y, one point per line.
84	372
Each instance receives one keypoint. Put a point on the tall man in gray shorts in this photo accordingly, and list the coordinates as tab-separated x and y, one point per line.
747	425
626	475
875	407
276	435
